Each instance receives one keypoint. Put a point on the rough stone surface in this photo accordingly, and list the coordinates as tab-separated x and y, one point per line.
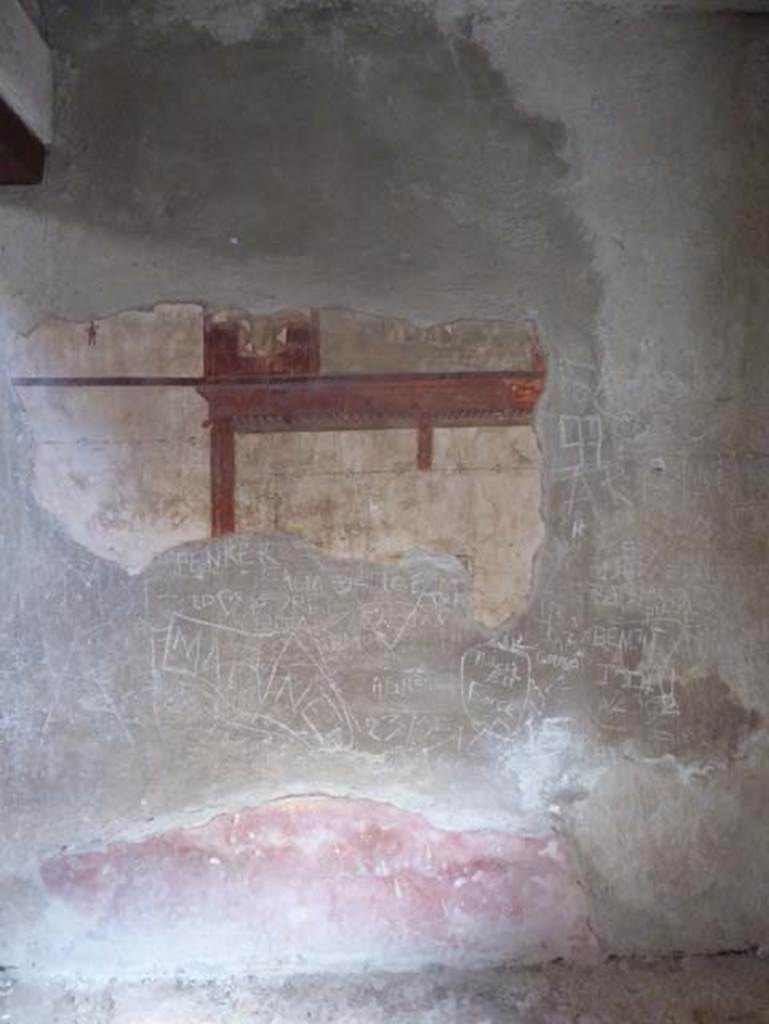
599	169
712	991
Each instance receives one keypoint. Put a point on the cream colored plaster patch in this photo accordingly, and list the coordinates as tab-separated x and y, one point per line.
166	341
376	344
126	469
358	494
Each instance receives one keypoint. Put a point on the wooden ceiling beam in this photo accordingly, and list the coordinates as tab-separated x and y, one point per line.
22	154
26	97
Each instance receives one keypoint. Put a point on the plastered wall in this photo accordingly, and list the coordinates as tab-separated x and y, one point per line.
598	169
125	469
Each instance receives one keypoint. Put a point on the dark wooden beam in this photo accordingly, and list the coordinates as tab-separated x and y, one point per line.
22	154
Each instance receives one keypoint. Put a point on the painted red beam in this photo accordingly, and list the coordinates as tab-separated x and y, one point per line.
356	402
374	401
241	403
424	443
222	478
107	382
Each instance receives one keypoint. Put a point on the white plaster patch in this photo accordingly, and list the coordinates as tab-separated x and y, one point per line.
165	341
124	469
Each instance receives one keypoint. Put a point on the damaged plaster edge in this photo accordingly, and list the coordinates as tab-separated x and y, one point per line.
535	426
151	552
120	547
752	746
143	309
536	563
85	958
528	318
447	823
164	537
440	810
441	560
441	813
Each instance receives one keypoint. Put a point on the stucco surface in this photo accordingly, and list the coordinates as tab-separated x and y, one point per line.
125	470
360	494
599	169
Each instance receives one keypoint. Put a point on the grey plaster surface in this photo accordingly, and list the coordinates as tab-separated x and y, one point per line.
601	168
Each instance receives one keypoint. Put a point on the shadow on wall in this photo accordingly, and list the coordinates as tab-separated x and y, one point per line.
359	145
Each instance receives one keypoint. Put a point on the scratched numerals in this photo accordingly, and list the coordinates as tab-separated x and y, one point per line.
498	691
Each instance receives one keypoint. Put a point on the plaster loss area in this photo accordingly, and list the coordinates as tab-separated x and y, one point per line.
122	455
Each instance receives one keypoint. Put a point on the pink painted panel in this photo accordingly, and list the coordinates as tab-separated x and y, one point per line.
326	881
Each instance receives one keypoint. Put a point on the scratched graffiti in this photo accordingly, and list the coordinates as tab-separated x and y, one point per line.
228	652
499	692
263	642
657	516
267	638
268	687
